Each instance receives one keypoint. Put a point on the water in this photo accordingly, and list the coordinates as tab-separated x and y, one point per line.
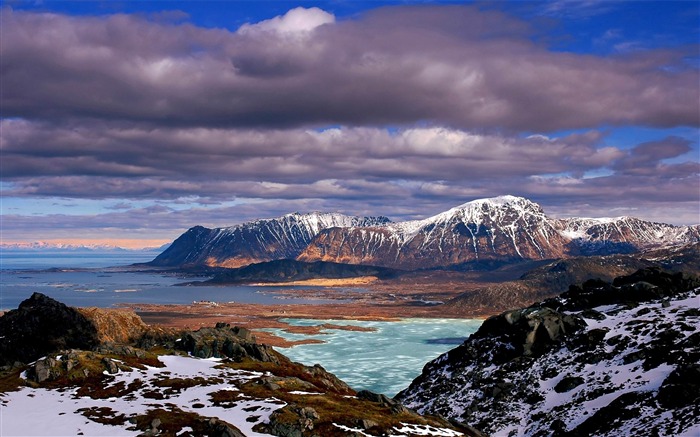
34	260
85	280
383	361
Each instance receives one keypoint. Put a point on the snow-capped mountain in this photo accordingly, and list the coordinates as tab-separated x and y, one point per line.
500	229
617	235
486	231
257	241
603	359
503	228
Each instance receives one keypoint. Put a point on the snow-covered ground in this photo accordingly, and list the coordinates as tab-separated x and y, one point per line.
576	386
45	412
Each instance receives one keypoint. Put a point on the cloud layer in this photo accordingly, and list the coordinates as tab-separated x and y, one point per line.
402	111
455	66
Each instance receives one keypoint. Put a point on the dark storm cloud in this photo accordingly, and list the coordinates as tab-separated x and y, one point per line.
456	66
118	161
646	158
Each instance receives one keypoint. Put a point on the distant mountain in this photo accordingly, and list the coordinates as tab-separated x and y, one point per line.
61	247
485	232
253	242
604	236
604	359
287	270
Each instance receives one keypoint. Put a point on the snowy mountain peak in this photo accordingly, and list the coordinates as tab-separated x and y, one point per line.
500	211
497	201
256	241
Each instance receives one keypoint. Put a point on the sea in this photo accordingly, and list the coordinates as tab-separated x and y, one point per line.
384	360
105	280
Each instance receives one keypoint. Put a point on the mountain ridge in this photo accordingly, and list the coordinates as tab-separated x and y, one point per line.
493	230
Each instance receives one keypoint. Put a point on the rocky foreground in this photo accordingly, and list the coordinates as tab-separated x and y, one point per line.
68	371
604	359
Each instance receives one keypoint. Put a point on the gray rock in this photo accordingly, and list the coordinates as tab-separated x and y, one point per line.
110	365
45	369
366	423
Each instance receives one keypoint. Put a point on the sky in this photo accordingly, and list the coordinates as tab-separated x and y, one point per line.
129	122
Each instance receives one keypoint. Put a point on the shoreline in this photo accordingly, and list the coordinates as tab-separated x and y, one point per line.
260	316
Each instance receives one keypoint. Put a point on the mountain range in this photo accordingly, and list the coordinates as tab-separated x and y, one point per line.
481	233
64	247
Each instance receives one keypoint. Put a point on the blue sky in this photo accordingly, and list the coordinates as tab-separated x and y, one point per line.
136	120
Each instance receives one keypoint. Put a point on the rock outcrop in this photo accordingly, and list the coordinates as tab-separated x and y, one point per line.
602	359
41	325
223	341
553	278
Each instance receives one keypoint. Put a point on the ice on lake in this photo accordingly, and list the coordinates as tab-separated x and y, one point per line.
385	360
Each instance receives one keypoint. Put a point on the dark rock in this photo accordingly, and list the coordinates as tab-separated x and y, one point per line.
568	383
592	314
395	406
292	421
625	406
529	332
40	326
681	387
219	428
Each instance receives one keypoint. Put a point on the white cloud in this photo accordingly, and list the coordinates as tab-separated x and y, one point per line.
295	21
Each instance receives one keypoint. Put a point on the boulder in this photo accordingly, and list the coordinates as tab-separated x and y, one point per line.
293	421
395	406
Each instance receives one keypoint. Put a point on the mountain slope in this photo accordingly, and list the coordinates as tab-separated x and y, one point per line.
603	359
604	236
261	240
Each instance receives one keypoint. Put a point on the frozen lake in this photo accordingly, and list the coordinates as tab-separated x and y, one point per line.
383	361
